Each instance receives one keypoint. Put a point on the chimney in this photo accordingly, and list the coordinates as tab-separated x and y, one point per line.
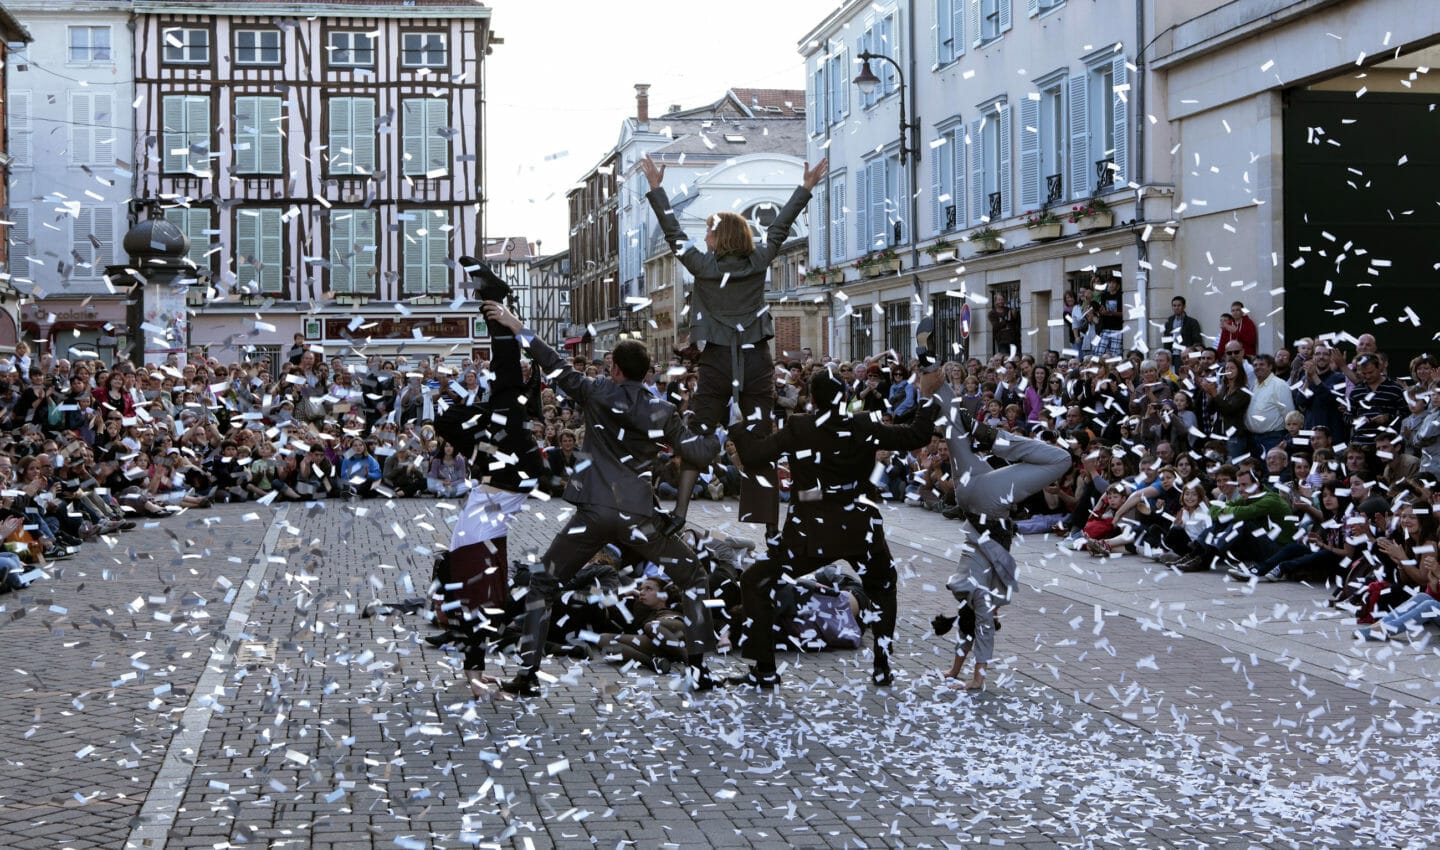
642	103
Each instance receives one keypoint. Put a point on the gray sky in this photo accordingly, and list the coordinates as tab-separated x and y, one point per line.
564	79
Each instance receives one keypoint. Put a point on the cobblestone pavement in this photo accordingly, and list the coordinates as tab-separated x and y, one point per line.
211	683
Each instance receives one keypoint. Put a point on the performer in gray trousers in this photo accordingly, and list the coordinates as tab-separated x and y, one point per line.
986	496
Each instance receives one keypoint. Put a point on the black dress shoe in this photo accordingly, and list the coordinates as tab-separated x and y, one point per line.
756	679
523	685
489	285
881	675
698	678
669	524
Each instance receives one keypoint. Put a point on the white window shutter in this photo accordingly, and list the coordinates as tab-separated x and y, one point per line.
103	115
342	251
937	191
978	207
1004	15
17	113
438	251
975	29
1121	95
172	134
82	134
362	124
940	35
812	114
1029	153
862	210
437	146
957	168
1003	180
272	251
901	200
1032	8
18	233
841	70
837	208
879	222
1080	159
412	129
412	247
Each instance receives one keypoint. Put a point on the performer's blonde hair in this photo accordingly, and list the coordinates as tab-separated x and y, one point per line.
732	234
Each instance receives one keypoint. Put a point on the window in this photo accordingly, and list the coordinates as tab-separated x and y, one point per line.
194	222
862	332
186	46
882	198
1043	134
93	240
92	139
989	19
352	135
17	121
186	134
879	37
947	173
260	251
257	47
949	31
839	84
422	50
352	252
990	164
1099	122
89	44
897	328
259	138
949	341
349	49
427	148
426	248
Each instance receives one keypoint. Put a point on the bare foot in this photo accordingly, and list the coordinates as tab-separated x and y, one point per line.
976	683
482	686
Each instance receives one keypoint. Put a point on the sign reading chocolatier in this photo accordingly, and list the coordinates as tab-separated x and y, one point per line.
456	327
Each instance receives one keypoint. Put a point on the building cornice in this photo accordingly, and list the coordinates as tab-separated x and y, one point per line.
324	10
1236	21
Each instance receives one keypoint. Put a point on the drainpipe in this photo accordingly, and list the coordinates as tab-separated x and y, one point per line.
1142	252
914	142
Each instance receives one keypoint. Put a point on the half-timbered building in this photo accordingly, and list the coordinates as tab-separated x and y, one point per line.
325	159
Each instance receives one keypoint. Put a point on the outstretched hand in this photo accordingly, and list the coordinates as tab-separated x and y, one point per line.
496	312
813	176
654	174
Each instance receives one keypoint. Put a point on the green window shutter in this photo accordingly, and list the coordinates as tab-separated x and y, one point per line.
342	246
172	134
247	249
437	146
247	135
271	138
412	121
82	134
413	249
339	141
197	133
272	251
365	253
438	244
362	134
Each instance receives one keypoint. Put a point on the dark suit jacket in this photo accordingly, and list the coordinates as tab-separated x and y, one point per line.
729	290
625	426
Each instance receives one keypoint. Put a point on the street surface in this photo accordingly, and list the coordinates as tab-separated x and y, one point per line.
209	682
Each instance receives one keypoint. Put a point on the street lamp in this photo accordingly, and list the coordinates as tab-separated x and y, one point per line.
867	82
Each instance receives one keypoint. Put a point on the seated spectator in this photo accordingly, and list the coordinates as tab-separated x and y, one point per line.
402	473
448	476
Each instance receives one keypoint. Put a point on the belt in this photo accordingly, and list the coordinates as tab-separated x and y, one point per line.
842	492
1000	529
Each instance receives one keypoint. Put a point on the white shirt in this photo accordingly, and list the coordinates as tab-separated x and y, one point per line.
1270	400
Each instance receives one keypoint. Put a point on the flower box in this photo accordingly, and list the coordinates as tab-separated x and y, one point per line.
1044	232
1096	221
988	245
879	269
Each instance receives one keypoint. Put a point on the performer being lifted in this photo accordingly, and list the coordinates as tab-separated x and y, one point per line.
732	329
985	496
833	516
613	495
491	431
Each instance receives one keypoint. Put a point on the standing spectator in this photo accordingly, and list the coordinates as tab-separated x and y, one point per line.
1082	321
1238	325
1068	315
297	349
1181	330
1376	401
1320	393
1005	326
1111	319
1270	403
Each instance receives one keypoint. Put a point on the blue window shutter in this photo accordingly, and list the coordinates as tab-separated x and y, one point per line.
837	208
957	167
1003	179
862	209
977	172
1080	158
1004	15
1029	154
937	190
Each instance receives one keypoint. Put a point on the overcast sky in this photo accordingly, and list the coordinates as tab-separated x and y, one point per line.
565	78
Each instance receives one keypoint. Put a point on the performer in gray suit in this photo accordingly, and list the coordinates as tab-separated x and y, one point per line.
985	495
732	329
613	495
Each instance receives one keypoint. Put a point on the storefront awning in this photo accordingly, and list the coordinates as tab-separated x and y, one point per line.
573	341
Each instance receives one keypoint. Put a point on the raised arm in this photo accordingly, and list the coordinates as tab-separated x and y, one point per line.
779	229
660	203
559	370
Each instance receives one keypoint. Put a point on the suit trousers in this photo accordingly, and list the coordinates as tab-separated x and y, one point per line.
591	529
755	381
